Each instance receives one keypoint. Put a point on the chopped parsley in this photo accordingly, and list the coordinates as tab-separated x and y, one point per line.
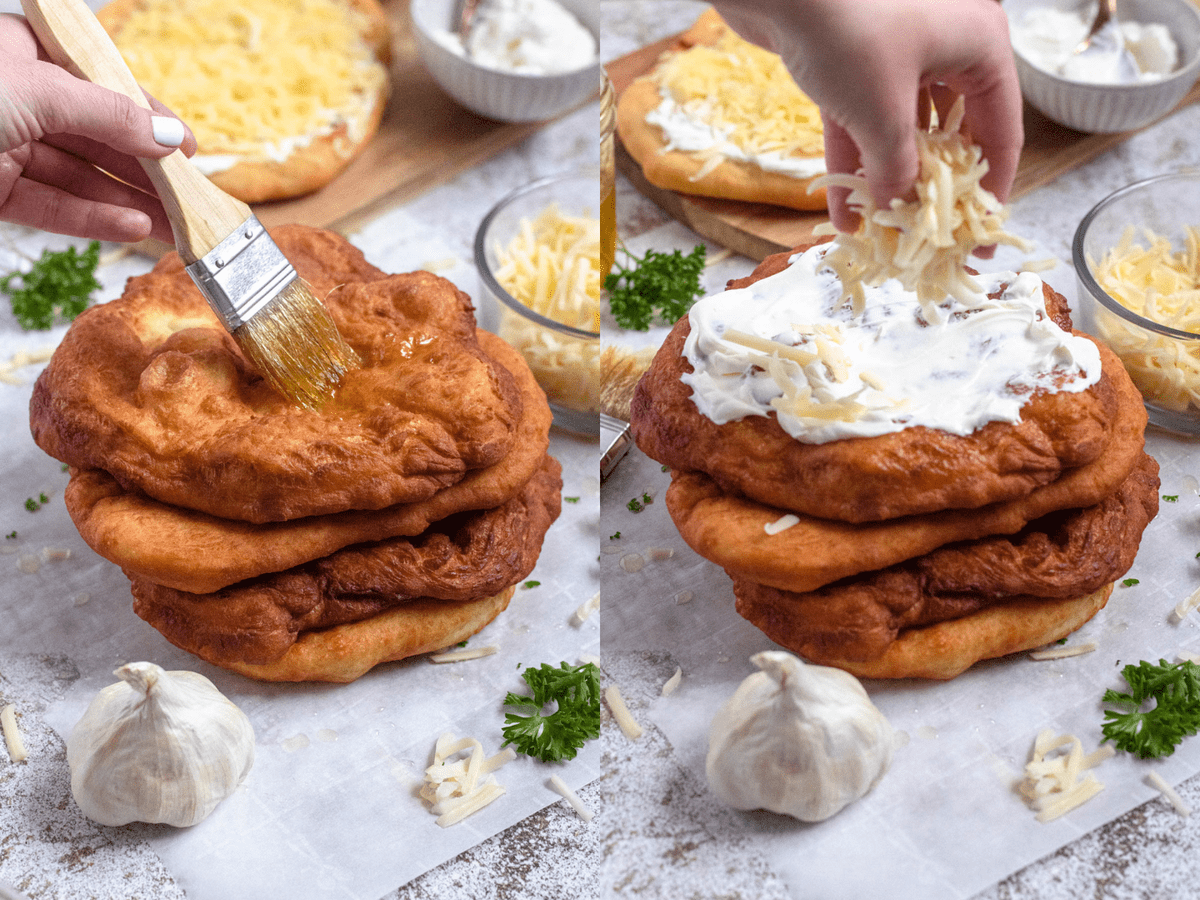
1170	498
1129	582
530	584
12	535
1154	732
555	736
570	499
634	505
59	286
616	536
34	505
656	287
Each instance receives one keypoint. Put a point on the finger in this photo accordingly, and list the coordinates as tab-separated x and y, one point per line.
60	103
52	209
841	156
123	166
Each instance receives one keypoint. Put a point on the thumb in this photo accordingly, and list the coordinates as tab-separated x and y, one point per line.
60	103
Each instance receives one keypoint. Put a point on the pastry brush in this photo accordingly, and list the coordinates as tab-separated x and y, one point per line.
282	329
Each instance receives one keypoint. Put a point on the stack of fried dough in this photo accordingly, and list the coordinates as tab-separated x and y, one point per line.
290	544
915	553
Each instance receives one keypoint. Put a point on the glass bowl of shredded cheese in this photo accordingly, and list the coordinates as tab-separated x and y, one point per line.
538	255
1137	259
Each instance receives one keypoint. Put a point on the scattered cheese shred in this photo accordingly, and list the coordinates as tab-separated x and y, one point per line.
585	610
783	523
571	797
616	703
1062	652
1157	781
1163	285
1186	605
745	93
552	266
20	360
12	734
454	787
254	79
672	684
1052	785
463	654
923	243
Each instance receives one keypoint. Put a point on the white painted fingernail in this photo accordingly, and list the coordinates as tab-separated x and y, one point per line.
167	130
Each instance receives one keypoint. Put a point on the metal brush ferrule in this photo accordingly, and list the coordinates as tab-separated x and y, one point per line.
242	274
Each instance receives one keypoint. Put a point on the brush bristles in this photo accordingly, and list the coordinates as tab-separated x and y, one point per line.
295	345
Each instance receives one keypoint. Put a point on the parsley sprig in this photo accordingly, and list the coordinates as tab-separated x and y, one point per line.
558	735
1175	689
60	284
662	285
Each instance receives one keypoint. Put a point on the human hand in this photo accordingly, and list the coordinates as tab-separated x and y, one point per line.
69	148
872	66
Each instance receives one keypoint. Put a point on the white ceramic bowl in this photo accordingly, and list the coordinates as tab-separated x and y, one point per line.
564	359
1101	108
1163	361
505	96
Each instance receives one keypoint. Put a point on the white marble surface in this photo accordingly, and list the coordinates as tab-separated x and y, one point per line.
685	844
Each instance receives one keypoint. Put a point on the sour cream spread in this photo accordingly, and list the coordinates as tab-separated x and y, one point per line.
1047	37
685	127
828	374
534	37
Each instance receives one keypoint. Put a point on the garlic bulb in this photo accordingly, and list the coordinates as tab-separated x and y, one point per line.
798	739
158	747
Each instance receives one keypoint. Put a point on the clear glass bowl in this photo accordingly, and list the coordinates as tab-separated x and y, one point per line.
564	358
1163	361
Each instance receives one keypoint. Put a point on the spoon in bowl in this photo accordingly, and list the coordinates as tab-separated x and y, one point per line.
1104	46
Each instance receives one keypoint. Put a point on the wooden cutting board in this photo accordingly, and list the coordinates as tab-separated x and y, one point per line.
757	230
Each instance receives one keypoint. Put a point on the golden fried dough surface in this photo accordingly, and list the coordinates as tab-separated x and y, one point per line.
947	649
465	557
346	652
200	553
910	472
151	389
1064	555
730	530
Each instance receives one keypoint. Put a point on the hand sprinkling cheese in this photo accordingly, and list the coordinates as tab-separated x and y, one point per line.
923	243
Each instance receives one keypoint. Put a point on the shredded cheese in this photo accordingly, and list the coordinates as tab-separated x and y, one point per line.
1052	785
552	266
1163	285
12	734
463	654
745	93
1186	605
1158	782
457	786
252	79
672	684
783	523
20	360
923	243
585	610
625	720
571	797
1062	652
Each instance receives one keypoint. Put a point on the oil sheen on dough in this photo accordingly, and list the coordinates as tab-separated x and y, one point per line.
978	367
686	129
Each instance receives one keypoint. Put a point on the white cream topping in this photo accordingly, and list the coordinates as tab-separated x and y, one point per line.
535	37
1047	37
686	128
828	374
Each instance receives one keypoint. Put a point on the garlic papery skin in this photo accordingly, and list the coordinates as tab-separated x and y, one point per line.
799	739
158	746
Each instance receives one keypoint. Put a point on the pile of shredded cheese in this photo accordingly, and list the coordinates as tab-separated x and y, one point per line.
457	787
1052	784
924	243
251	79
552	266
747	94
1163	285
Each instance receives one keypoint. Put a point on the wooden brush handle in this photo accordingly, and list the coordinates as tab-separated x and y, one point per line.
201	214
